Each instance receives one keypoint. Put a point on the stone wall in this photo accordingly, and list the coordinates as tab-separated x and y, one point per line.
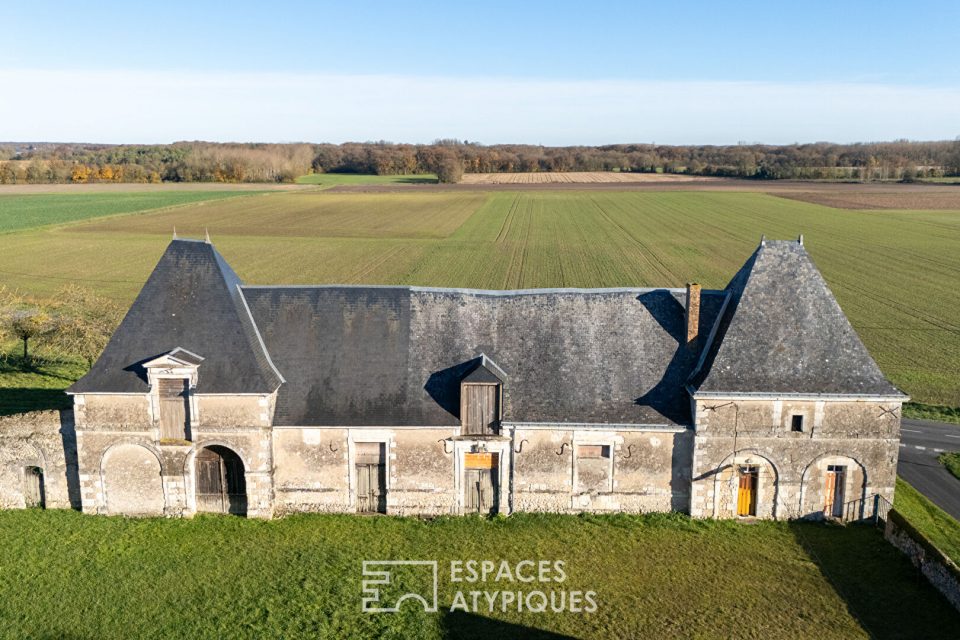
647	470
935	566
43	440
861	436
315	469
124	468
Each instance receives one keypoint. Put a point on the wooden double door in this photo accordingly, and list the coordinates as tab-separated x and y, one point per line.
747	491
371	476
481	483
833	492
221	482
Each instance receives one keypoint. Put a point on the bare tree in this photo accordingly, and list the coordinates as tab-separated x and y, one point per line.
84	322
23	321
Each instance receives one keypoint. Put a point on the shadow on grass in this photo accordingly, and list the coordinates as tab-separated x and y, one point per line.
20	400
460	625
880	586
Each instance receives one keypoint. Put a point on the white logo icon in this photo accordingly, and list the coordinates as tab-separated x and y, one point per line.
383	576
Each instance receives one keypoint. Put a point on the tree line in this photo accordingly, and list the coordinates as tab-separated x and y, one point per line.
449	159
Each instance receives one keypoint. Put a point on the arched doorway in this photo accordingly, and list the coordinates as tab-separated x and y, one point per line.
33	490
221	485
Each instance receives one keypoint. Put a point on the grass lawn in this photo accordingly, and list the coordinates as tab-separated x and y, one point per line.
37	387
931	412
20	211
335	179
63	574
935	523
952	462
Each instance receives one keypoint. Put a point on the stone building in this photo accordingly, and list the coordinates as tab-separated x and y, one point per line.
757	400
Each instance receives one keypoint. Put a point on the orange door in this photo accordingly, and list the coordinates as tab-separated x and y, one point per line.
829	492
833	504
747	492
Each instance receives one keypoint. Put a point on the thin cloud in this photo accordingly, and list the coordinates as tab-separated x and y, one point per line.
154	106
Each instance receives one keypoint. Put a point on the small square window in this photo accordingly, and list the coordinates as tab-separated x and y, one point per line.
593	451
796	423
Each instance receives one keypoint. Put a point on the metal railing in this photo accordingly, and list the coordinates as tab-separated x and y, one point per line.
873	508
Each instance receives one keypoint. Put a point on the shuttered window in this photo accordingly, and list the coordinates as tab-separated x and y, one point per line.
174	408
480	409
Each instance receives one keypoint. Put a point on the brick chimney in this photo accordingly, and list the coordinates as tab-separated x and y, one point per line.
693	312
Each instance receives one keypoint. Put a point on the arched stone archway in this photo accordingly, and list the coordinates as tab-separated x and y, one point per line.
132	484
735	474
833	485
220	484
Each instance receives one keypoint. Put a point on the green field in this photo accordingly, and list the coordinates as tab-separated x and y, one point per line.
336	179
20	211
893	272
68	575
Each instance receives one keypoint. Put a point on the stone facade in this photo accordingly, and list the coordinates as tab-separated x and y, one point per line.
862	437
120	466
42	441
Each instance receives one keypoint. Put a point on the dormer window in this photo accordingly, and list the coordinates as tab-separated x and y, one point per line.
173	377
174	397
480	399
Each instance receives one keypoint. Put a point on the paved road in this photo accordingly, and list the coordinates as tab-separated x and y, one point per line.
921	441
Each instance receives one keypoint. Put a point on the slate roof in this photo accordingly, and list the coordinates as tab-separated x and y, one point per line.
380	356
192	301
396	356
784	333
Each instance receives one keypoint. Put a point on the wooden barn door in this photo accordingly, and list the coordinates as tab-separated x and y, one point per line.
371	470
174	408
221	482
747	491
481	483
833	492
33	489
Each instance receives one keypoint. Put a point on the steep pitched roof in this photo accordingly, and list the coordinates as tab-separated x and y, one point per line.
192	301
373	356
784	333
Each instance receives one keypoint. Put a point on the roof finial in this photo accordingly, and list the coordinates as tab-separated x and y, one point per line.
174	232
207	233
800	240
763	239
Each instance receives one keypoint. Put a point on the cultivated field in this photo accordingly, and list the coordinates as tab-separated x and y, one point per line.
948	198
36	210
894	271
577	177
67	575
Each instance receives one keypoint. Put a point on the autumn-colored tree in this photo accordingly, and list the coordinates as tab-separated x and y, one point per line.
80	173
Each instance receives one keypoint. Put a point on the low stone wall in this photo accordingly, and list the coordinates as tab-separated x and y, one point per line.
936	567
43	440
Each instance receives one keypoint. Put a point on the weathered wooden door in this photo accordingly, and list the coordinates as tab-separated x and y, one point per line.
481	483
371	473
33	490
480	408
174	409
747	492
221	482
833	492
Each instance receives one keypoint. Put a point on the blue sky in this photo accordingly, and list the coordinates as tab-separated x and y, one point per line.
551	73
